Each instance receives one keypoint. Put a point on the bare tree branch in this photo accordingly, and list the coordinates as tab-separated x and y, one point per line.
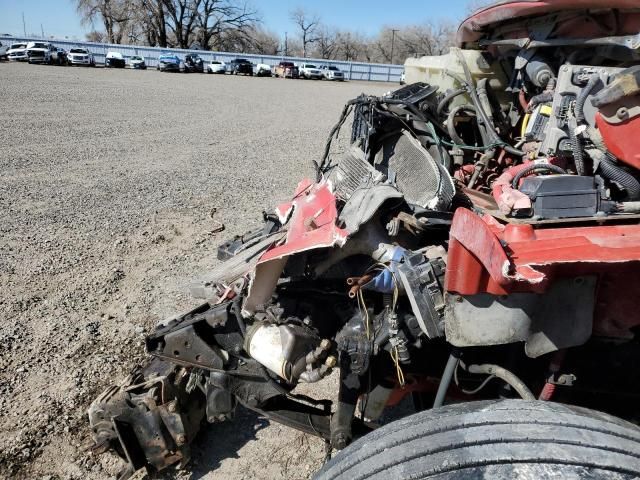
308	25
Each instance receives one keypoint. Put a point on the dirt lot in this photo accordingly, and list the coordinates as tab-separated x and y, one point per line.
112	182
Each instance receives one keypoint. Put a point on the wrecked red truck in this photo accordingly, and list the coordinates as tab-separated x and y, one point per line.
475	248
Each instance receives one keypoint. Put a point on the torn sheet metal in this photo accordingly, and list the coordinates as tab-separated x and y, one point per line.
312	222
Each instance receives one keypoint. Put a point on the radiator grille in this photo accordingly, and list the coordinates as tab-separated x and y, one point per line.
353	172
421	179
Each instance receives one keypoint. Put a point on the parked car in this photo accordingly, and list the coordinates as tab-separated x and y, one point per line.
217	66
81	56
331	72
115	60
39	52
286	70
310	71
240	65
193	63
3	51
169	63
17	52
262	70
137	62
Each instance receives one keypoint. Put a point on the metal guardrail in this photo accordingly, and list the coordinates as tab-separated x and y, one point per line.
353	70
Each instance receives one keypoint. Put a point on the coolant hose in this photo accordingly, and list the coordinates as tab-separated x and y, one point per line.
582	98
504	374
614	173
450	96
536	167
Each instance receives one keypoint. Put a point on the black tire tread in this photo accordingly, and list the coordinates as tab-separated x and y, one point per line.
480	434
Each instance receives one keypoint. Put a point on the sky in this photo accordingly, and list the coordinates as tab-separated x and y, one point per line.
58	18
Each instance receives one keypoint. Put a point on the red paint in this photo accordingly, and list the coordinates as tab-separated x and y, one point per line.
487	257
507	197
480	23
312	216
622	139
547	392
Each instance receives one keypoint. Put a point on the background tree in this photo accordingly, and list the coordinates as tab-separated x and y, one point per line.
327	44
95	36
181	17
308	25
219	17
113	14
233	26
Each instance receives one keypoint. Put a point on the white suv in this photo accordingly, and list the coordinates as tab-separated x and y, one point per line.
81	56
308	70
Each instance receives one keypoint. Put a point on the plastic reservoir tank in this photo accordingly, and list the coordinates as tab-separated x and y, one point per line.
444	71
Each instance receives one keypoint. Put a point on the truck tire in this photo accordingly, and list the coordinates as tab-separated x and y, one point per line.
507	439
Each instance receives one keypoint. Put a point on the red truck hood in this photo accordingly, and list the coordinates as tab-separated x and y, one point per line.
483	21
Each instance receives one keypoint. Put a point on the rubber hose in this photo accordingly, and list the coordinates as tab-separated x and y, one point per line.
614	173
544	97
235	305
476	101
450	96
483	96
445	381
451	128
481	166
535	168
504	374
576	146
495	138
513	151
582	98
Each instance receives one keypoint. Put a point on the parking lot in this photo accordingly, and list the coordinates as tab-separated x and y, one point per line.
113	184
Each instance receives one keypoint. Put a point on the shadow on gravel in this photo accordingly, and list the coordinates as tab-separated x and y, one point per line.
222	440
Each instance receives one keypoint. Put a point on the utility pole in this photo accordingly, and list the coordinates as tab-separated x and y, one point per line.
42	31
286	46
24	26
393	41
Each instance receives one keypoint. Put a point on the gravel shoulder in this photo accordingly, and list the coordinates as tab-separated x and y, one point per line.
112	184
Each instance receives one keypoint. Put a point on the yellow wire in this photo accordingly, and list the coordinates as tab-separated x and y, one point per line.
399	373
365	313
525	122
395	356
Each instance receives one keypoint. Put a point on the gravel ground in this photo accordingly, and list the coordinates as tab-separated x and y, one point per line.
112	182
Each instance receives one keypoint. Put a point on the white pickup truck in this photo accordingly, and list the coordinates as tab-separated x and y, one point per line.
41	52
17	52
310	71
